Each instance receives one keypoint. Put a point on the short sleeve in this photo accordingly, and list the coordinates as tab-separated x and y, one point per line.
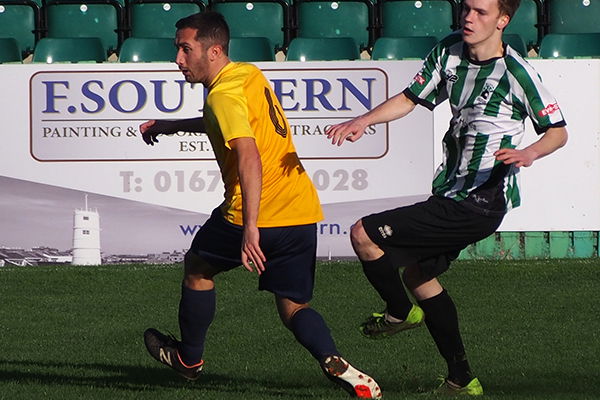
540	104
230	109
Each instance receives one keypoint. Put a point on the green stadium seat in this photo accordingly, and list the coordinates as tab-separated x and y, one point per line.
51	50
573	16
322	49
157	18
9	50
93	18
21	20
515	41
249	49
397	48
528	23
400	18
346	18
570	45
270	19
147	50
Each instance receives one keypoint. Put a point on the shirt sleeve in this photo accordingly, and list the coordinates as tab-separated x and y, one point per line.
540	104
230	108
428	86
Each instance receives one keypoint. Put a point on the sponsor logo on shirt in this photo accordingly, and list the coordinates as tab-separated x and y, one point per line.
419	79
550	109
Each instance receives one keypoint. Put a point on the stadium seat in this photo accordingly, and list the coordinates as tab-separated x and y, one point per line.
94	18
156	18
21	20
569	45
147	50
270	19
573	16
528	23
322	49
248	49
348	18
400	18
515	41
51	50
9	50
386	48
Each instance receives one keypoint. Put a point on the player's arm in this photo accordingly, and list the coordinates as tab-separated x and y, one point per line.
151	129
249	167
391	109
552	140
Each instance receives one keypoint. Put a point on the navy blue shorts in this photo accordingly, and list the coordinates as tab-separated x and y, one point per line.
290	252
430	234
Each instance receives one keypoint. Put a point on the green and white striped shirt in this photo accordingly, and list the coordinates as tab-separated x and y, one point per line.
490	101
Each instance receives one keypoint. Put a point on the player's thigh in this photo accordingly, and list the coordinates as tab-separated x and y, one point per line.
216	247
291	257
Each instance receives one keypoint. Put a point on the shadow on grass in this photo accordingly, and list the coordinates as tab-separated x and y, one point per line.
138	378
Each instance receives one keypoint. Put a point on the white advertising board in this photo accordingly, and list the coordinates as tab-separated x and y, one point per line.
72	129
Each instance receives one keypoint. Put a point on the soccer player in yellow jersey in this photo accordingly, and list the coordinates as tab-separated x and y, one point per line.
267	221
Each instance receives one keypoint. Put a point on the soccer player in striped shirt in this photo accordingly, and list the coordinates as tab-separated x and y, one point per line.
491	90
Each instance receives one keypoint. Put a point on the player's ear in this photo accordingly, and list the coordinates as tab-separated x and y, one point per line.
504	20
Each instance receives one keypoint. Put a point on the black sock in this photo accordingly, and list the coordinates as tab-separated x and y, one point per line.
441	319
196	313
312	332
386	280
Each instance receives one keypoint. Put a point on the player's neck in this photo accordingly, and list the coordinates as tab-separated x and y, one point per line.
486	50
216	69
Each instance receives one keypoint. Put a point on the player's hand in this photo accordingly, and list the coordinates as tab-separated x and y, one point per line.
521	158
148	134
151	129
252	255
350	130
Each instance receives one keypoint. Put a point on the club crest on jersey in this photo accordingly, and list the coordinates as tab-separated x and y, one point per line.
385	231
550	109
487	89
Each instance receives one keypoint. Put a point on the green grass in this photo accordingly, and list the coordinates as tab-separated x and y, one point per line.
531	329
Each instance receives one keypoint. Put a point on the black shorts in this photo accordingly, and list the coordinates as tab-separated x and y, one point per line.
430	234
290	252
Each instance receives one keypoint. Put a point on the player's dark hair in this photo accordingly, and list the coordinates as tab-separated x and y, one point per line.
210	26
508	7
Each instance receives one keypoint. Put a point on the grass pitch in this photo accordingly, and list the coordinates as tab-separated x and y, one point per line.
531	329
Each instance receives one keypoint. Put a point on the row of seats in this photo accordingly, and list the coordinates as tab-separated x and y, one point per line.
279	21
50	50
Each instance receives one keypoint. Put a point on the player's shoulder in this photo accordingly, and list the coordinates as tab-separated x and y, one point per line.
518	66
450	45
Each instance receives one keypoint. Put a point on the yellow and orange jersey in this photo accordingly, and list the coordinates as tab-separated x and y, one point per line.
241	103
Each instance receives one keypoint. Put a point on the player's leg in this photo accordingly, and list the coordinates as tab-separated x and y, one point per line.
311	331
215	248
400	313
441	319
196	312
289	275
196	307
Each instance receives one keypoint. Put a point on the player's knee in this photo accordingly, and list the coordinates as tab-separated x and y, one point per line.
198	274
361	242
287	309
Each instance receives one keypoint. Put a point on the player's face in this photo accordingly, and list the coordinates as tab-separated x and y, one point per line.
481	21
192	57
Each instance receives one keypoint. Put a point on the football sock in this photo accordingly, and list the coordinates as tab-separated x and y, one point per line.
387	282
196	312
312	332
441	319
